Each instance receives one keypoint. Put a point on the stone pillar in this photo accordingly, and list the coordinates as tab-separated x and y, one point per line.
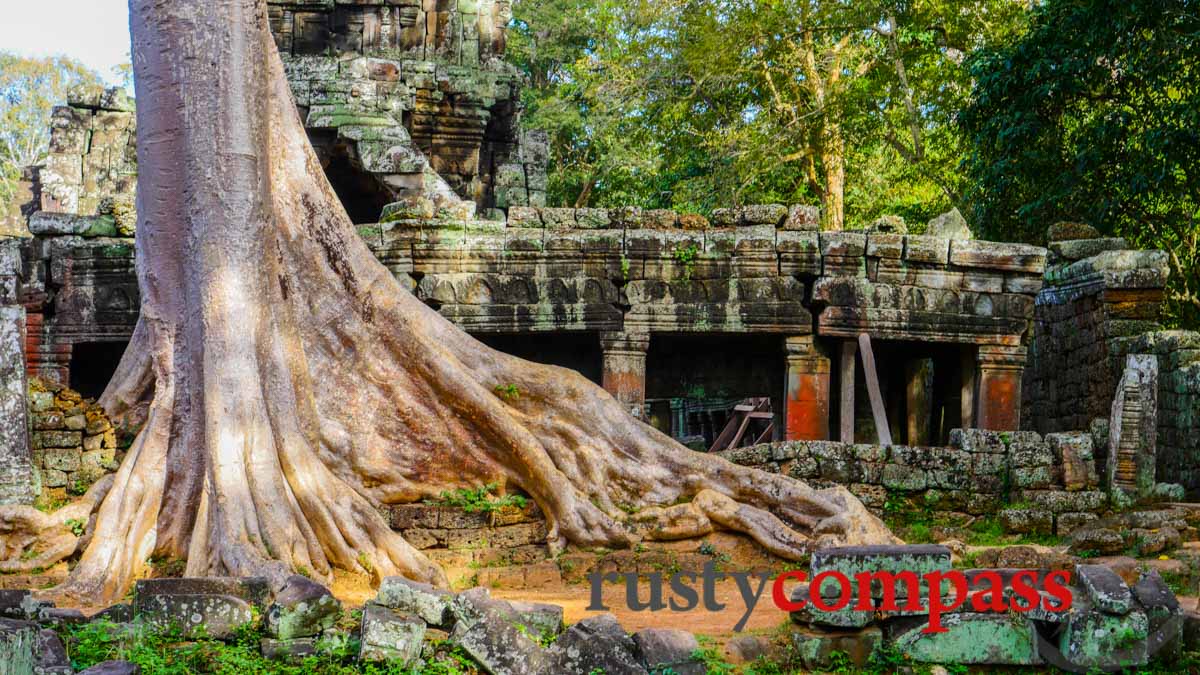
998	382
849	351
806	400
18	482
1133	428
625	369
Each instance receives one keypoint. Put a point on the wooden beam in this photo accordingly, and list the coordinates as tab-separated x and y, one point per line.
846	383
877	409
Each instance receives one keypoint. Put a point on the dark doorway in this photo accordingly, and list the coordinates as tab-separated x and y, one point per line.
93	365
578	351
693	382
921	385
362	193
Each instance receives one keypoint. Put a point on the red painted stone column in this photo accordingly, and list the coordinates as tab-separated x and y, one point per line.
998	406
625	369
806	401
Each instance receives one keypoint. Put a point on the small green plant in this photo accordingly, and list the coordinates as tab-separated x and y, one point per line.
477	500
714	664
686	256
366	563
78	488
76	526
508	392
624	268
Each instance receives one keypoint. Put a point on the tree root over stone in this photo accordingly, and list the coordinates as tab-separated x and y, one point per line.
295	386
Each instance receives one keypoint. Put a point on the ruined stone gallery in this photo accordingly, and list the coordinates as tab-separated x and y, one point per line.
299	361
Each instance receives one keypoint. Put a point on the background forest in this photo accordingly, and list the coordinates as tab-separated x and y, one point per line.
1020	113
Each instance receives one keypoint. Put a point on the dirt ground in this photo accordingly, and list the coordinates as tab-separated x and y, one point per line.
766	617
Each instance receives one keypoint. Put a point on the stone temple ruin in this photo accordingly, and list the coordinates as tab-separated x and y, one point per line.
934	371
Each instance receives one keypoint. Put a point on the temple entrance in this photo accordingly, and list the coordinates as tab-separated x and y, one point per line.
93	365
696	383
926	388
578	351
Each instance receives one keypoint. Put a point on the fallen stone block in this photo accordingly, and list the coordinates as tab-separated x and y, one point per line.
994	639
388	636
597	643
1105	589
1094	639
816	648
51	655
254	590
851	560
665	649
18	646
1164	614
303	608
118	613
412	597
492	639
1027	521
543	620
291	651
196	615
810	614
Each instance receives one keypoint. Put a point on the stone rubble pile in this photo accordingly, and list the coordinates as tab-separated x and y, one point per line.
1111	622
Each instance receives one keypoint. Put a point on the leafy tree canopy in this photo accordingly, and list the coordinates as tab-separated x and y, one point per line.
1094	115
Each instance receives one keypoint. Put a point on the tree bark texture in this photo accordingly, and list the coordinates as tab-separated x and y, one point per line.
294	386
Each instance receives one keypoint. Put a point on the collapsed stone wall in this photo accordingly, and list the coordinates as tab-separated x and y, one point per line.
92	164
1100	305
74	443
407	98
979	474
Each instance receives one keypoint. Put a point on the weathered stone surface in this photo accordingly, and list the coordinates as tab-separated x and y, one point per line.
949	225
17	479
1075	454
303	608
51	655
1096	541
764	214
597	643
803	218
1094	639
492	639
1066	231
666	648
816	648
810	614
196	615
995	639
288	650
412	597
18	646
1107	592
1027	521
851	560
1079	249
997	256
1133	428
388	636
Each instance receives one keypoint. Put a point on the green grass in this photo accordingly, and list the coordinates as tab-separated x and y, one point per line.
477	500
164	653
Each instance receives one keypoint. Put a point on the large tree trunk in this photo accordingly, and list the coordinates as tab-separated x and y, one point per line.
295	386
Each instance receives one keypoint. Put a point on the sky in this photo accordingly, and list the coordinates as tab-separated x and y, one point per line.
95	32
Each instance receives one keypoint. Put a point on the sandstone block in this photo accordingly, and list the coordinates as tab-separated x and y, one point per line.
391	637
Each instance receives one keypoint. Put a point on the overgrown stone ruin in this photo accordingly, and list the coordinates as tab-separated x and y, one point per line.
932	374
